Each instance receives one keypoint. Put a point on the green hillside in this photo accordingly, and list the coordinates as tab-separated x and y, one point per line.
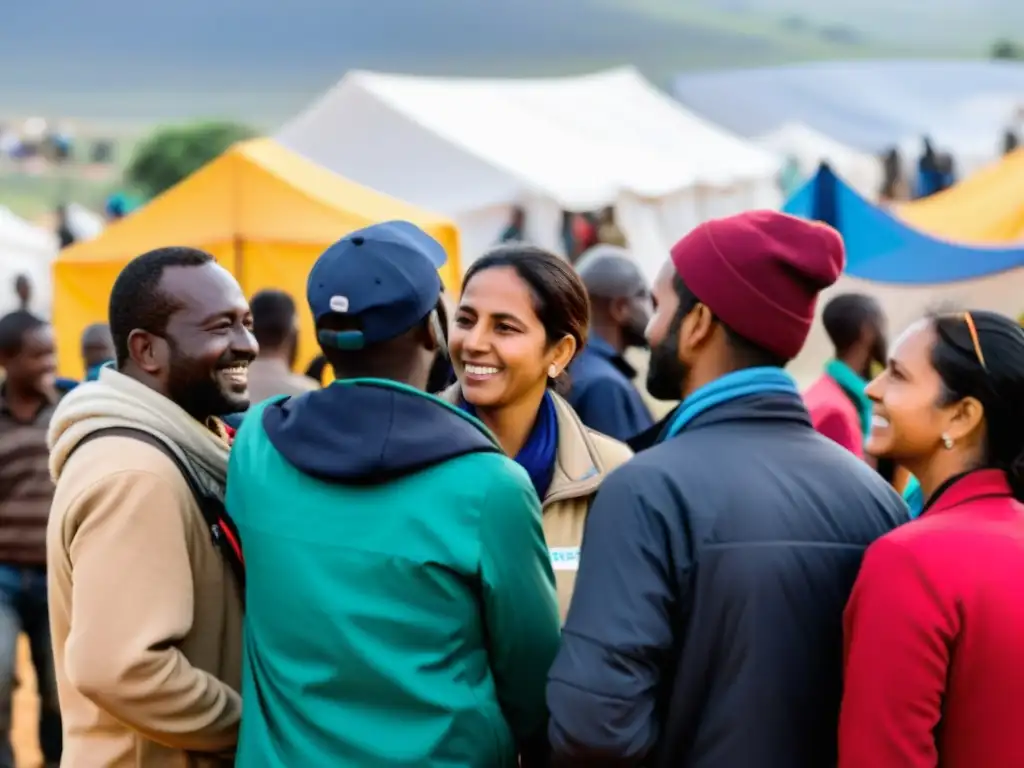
119	66
263	59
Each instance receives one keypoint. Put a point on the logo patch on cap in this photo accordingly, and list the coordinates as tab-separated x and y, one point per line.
339	304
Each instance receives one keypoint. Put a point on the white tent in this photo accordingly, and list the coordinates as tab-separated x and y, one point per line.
84	223
811	148
25	250
473	148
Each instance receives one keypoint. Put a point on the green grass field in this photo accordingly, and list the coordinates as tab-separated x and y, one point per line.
34	196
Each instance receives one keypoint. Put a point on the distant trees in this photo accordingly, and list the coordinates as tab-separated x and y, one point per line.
1007	50
172	153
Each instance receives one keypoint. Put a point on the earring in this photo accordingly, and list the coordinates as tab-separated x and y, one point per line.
947	442
553	371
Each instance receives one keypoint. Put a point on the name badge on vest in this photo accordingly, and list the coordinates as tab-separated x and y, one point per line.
565	559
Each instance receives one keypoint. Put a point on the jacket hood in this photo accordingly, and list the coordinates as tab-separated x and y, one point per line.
119	401
369	431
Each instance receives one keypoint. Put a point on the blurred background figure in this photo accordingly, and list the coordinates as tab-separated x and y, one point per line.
583	229
790	176
1010	141
65	235
837	402
947	170
23	290
929	177
892	175
275	325
27	402
608	230
97	349
601	379
516	230
936	171
118	206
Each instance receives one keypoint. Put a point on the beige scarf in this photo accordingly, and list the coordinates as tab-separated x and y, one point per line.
116	400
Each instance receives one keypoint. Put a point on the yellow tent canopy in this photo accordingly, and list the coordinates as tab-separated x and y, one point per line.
263	211
986	208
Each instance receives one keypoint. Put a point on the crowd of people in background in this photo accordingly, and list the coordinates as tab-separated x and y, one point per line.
579	231
36	143
933	171
477	546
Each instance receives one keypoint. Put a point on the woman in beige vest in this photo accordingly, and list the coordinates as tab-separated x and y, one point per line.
520	321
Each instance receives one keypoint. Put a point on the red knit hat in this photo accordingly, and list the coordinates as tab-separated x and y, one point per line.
760	273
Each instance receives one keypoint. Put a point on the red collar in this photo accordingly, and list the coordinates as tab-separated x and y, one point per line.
980	484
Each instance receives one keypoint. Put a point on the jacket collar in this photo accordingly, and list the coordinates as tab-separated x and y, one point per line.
969	487
769	406
579	467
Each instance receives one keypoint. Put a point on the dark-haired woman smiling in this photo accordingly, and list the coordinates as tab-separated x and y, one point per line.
935	625
521	319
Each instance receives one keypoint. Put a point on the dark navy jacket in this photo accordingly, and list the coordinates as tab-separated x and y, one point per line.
603	393
706	624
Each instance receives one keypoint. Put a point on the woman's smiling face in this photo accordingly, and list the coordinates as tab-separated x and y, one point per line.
499	346
909	419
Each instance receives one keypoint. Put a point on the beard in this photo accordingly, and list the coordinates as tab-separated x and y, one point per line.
665	374
194	387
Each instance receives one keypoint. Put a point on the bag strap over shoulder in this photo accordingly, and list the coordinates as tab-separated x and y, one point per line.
222	529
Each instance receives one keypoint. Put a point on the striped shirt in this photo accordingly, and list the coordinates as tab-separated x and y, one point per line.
26	489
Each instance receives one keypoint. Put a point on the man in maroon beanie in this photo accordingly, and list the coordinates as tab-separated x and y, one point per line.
705	627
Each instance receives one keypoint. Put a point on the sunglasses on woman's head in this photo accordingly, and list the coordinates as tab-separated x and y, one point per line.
973	330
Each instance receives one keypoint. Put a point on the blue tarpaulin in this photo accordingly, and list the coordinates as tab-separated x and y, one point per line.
870	106
881	248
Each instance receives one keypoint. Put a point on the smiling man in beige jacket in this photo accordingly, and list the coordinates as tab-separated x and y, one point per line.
145	610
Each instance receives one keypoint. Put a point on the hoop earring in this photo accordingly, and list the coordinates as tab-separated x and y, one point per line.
947	442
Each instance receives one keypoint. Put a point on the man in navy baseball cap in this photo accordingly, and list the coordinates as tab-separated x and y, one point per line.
389	543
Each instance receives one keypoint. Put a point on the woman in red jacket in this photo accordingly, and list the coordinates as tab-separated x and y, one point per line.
935	624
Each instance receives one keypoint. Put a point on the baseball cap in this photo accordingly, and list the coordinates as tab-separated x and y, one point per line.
385	276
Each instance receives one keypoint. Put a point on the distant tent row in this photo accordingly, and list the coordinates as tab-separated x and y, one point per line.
473	148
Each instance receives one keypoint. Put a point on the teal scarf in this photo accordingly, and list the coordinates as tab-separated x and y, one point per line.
914	497
854	386
750	381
